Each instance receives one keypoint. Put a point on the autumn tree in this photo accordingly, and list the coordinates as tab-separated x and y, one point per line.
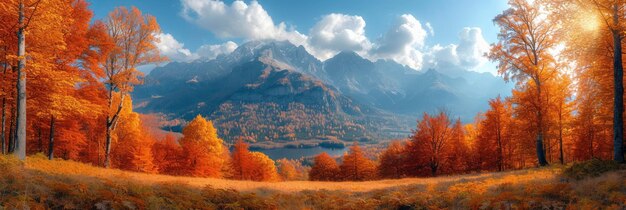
136	152
493	135
263	168
356	167
254	166
593	37
55	96
523	54
324	168
44	23
391	161
203	150
241	163
427	147
287	170
167	155
134	38
458	152
561	106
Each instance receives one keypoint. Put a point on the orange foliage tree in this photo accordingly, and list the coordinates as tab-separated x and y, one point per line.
523	55
204	152
256	166
494	136
287	170
324	168
134	38
167	155
136	152
427	148
356	167
391	161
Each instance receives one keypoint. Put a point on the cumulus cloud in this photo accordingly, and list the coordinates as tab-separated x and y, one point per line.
338	32
468	53
212	51
403	42
176	51
472	48
238	20
173	49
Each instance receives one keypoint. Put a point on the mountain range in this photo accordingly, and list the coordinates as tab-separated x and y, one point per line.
276	91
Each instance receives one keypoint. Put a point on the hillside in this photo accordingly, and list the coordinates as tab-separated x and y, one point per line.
347	97
39	183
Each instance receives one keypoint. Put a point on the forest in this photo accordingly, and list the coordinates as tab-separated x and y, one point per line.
67	78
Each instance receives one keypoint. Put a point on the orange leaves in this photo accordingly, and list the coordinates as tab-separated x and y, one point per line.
256	166
324	168
356	167
167	155
133	148
428	144
204	152
391	161
133	35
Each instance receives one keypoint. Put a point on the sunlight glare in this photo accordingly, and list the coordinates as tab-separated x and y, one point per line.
590	22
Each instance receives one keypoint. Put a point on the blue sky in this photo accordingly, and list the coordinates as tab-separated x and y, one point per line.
456	31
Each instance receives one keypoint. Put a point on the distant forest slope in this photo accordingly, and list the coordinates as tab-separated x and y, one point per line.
40	183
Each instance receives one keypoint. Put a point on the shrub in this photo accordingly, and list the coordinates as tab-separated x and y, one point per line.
591	168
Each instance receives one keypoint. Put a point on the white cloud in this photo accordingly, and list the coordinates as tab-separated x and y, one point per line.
403	42
212	51
173	49
468	53
472	48
176	51
238	20
338	32
431	31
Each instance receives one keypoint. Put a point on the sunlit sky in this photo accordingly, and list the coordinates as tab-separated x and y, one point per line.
419	33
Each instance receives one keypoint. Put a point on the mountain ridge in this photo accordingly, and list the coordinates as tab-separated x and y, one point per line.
350	96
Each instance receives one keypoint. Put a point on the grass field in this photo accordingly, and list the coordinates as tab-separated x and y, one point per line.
39	183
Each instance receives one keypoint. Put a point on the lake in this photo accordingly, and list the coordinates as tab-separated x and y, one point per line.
297	153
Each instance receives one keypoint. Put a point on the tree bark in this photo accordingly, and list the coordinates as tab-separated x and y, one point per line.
541	155
20	143
51	142
107	147
12	132
618	77
110	126
4	121
561	134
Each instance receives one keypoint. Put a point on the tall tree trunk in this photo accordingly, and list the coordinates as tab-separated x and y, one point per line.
4	121
20	143
110	125
107	147
12	131
618	77
4	104
51	142
541	155
499	139
561	134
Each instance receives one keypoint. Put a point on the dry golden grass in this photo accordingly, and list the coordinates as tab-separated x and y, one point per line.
63	167
42	184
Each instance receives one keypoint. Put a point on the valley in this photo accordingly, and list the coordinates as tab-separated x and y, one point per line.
274	91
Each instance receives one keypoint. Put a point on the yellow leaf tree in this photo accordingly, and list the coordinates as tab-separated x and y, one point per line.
203	151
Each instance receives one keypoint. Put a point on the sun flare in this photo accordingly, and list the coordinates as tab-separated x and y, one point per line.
590	22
